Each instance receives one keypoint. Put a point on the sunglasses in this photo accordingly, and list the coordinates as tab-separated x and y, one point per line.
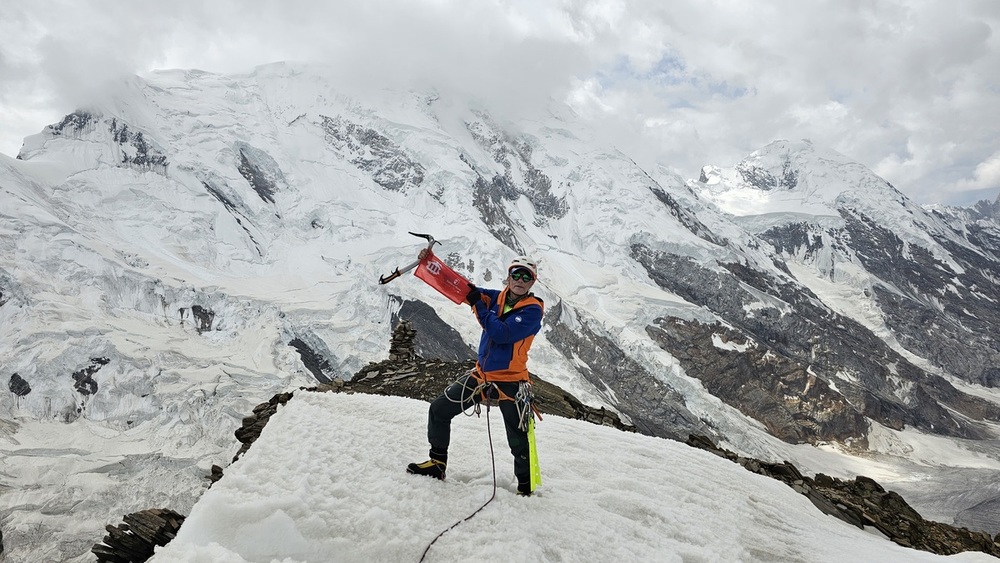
522	276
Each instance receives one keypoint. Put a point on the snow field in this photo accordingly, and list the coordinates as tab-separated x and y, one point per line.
326	482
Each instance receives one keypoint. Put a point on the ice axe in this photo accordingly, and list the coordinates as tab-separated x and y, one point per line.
400	271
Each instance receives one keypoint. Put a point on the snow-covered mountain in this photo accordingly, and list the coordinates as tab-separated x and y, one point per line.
197	243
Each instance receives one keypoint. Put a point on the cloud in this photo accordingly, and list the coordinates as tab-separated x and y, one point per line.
906	87
984	183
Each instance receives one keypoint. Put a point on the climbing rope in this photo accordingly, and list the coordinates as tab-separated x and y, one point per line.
489	433
480	389
522	399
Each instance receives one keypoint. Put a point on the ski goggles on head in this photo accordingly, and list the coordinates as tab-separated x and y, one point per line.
521	275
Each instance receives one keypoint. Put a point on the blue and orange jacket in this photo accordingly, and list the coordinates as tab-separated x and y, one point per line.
503	347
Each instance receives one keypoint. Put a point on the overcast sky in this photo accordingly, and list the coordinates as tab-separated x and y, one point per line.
909	88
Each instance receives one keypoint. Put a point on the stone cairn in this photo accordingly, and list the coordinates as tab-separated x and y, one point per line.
135	540
401	344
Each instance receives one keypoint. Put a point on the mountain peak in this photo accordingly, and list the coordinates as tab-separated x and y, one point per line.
796	177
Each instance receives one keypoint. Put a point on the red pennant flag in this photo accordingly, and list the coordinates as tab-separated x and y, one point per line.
438	275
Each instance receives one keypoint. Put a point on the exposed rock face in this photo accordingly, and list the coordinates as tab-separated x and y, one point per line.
489	198
204	317
75	122
920	294
316	364
135	540
260	171
135	149
18	385
254	424
873	378
863	502
385	161
654	407
435	339
793	403
686	217
239	213
761	178
84	378
418	378
521	177
985	209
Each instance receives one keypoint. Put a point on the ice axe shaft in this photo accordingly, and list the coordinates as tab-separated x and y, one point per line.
400	271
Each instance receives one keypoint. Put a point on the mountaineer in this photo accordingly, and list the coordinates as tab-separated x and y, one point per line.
510	319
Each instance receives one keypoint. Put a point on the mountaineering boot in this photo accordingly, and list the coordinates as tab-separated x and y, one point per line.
433	467
524	487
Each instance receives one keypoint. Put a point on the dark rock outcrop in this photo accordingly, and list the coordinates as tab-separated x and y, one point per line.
240	214
417	378
136	149
318	365
436	339
793	403
863	502
135	539
18	385
260	171
880	383
73	123
252	426
385	161
654	407
920	293
685	217
515	155
491	198
204	318
761	178
84	378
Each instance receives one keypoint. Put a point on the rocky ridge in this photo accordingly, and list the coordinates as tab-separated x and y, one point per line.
863	502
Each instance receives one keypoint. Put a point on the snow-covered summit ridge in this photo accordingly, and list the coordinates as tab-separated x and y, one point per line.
789	182
794	177
298	496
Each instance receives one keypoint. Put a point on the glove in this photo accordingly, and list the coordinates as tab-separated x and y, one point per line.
474	295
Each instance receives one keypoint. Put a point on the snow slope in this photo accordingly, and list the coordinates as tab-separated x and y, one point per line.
325	482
